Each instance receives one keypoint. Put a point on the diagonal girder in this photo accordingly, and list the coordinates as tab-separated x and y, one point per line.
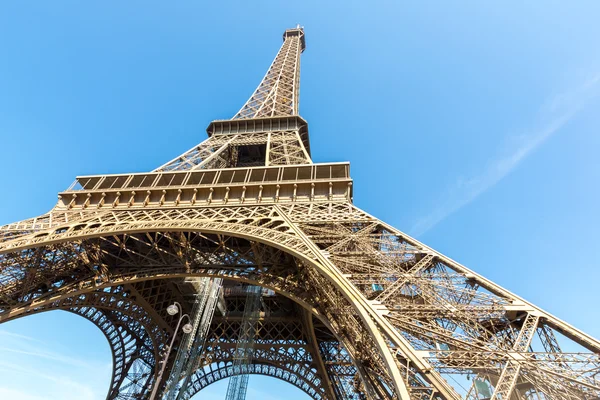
376	314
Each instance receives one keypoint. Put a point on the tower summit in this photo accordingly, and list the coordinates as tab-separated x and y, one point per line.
279	274
267	130
277	94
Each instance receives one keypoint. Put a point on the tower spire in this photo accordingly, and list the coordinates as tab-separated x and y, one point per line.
278	92
267	130
350	307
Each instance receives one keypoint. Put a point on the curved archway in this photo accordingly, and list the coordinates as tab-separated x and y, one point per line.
126	355
272	232
133	342
216	372
266	361
133	339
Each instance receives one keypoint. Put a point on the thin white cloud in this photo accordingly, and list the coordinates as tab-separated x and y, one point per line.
49	356
63	388
16	394
555	113
30	357
18	336
25	345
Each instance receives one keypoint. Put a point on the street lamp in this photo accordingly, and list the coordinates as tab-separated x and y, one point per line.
173	309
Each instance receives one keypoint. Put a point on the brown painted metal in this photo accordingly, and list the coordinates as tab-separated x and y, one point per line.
352	308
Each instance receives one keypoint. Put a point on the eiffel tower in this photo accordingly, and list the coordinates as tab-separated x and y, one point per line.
345	305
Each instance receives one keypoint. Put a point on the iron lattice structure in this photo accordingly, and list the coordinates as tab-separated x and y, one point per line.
351	308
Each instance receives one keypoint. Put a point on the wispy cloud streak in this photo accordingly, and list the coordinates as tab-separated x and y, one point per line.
16	343
555	113
47	355
65	387
18	336
53	372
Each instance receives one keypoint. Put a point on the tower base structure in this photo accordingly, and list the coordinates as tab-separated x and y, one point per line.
350	307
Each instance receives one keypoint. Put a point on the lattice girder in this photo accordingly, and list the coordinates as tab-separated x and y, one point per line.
274	141
274	354
278	92
384	316
133	335
130	276
357	249
434	289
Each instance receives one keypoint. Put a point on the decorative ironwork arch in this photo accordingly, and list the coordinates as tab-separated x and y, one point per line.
264	225
225	370
128	328
408	315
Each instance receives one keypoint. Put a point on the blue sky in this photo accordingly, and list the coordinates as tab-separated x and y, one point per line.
471	125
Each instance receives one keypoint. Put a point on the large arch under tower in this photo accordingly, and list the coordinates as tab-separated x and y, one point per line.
350	307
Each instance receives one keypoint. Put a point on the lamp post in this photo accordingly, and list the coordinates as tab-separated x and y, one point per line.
173	309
